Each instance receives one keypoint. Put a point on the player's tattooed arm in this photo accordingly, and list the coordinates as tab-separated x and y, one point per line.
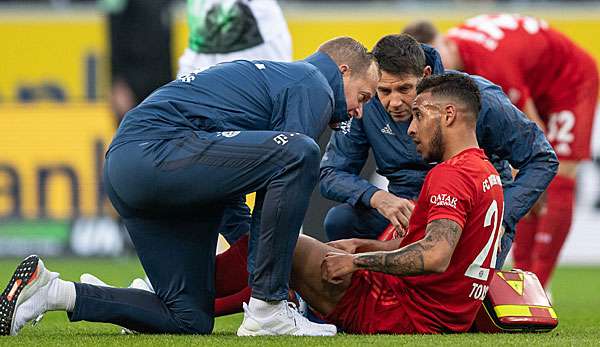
431	254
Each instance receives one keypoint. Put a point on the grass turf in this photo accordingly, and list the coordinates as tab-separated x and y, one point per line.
575	291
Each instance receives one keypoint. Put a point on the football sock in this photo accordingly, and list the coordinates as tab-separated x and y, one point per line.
231	273
553	227
232	303
524	242
61	295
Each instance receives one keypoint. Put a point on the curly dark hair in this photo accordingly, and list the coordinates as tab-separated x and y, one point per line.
453	85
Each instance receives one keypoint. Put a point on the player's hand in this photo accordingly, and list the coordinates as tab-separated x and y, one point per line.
347	245
336	266
396	210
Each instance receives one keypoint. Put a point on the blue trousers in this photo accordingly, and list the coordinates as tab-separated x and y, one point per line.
173	196
346	222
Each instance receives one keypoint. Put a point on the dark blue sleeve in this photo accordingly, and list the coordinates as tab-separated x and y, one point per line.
345	156
506	132
303	108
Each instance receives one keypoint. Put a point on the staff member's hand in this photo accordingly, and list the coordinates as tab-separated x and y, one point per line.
396	210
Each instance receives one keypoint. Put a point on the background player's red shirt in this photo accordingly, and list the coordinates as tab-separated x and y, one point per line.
467	190
526	58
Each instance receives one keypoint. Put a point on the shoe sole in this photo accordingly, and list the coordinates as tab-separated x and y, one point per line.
25	273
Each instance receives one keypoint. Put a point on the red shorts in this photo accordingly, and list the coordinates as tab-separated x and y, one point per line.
373	304
569	128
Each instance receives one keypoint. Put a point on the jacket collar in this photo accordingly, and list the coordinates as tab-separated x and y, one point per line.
433	59
332	73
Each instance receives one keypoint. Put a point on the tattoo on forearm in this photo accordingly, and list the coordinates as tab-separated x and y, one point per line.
410	260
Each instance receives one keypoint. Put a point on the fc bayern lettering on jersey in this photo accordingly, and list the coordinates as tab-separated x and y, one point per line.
492	180
443	200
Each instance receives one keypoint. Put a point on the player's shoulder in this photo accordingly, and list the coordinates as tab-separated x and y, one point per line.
469	164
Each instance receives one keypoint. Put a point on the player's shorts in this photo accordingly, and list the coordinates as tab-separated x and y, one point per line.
569	128
373	304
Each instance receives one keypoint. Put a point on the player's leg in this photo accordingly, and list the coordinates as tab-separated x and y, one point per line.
306	275
553	227
524	240
570	135
345	222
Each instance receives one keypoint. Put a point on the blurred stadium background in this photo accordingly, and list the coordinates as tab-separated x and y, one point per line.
56	122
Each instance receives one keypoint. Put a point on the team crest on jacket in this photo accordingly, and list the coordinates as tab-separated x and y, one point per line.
229	133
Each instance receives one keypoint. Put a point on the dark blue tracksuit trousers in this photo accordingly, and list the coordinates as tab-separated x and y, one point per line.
172	195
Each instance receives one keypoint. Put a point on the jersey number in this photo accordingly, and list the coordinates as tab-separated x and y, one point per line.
476	269
560	131
489	29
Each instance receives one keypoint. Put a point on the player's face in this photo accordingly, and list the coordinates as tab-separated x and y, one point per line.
397	94
359	89
425	128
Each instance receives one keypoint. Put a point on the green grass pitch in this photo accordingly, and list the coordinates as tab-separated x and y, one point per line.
575	290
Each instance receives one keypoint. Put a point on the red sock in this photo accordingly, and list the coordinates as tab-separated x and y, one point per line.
231	273
523	244
232	303
553	227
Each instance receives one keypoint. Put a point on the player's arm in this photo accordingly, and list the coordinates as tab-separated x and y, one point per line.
531	112
365	245
432	254
508	133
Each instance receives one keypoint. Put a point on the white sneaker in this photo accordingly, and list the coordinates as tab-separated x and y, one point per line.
286	321
137	283
26	296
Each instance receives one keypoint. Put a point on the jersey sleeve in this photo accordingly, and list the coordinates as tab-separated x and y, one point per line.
450	195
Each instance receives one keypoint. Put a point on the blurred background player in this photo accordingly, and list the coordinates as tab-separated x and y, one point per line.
227	30
140	50
555	83
503	133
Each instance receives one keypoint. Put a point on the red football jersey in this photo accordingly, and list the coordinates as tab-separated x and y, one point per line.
526	58
467	190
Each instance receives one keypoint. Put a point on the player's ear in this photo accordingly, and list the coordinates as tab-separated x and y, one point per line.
427	71
344	69
449	114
